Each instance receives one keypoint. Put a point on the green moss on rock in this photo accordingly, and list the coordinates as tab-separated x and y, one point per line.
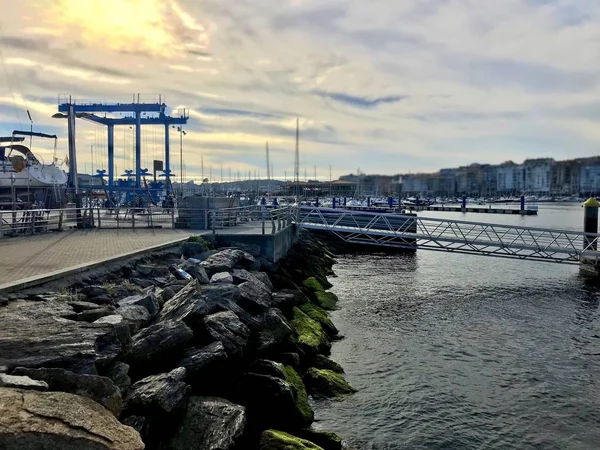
327	383
278	440
326	300
325	439
294	380
309	333
323	362
320	315
313	285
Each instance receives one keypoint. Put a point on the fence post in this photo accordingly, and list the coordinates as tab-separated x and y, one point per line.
99	219
60	219
1	223
273	224
173	217
133	218
262	215
33	222
213	222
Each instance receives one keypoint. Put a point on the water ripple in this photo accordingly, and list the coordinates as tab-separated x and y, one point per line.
503	354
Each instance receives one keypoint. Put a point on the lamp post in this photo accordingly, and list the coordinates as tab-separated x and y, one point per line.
181	133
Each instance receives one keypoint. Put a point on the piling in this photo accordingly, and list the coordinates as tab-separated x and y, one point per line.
334	202
590	225
317	202
464	204
368	202
522	203
345	201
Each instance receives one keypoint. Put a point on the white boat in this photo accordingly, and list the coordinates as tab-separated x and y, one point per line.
20	168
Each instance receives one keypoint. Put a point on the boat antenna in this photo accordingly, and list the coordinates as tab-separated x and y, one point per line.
30	128
297	162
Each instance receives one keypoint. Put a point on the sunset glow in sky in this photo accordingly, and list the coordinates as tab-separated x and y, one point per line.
389	86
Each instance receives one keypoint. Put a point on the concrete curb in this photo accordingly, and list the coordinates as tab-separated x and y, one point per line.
24	283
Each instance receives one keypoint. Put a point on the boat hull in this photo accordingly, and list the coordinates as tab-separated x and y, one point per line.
37	176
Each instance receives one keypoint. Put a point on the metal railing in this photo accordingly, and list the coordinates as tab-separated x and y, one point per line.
411	232
248	218
269	220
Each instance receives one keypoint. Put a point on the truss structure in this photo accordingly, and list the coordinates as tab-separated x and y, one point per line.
488	239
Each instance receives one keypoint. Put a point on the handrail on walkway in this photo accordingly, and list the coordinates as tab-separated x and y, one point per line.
460	236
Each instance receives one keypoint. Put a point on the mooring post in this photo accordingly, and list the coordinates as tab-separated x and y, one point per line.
368	202
590	223
390	202
345	201
334	202
464	204
317	202
589	265
522	204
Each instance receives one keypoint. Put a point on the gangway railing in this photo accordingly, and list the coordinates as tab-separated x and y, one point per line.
412	232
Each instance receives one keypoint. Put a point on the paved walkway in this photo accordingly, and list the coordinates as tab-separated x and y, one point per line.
28	257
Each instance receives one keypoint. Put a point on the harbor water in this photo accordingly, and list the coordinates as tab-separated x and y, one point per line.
453	351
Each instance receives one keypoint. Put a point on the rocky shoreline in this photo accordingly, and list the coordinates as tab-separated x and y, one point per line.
199	348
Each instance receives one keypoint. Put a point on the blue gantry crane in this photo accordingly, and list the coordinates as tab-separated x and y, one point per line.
154	113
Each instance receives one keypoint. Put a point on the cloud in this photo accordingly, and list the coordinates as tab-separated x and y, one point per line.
360	102
388	86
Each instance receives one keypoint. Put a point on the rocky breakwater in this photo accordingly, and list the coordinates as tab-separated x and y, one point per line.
225	358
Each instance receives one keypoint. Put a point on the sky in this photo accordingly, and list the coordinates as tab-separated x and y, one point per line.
387	86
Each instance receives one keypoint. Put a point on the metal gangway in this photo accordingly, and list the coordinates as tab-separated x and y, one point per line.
407	231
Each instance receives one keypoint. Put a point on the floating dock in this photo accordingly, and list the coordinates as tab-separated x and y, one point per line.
477	209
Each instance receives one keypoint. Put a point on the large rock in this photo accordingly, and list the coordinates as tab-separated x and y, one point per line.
198	361
118	372
210	423
214	294
193	267
22	382
309	334
319	315
162	393
187	305
223	261
277	402
221	277
192	248
326	383
32	420
227	328
326	300
135	315
264	278
158	342
255	297
90	315
325	439
99	389
120	325
80	306
273	330
279	440
286	299
323	362
95	291
32	337
148	300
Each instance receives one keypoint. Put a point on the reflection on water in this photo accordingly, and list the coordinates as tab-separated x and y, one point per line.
460	351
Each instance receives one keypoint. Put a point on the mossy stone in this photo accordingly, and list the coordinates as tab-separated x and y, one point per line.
309	333
294	380
327	383
325	439
320	315
323	362
313	285
279	440
326	300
